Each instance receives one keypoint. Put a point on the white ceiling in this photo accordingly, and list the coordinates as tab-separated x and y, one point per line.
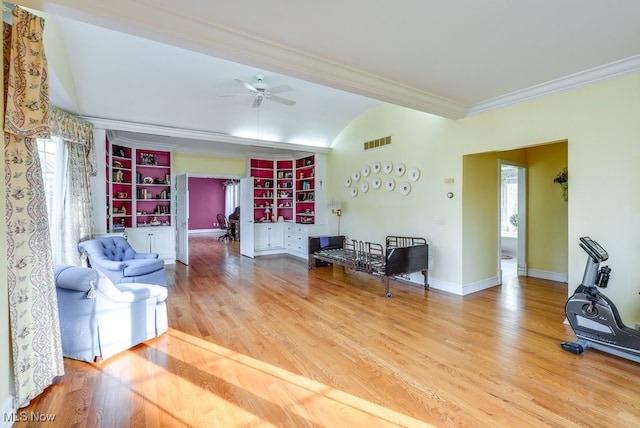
166	63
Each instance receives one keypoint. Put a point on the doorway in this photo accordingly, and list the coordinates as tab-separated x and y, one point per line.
512	216
199	198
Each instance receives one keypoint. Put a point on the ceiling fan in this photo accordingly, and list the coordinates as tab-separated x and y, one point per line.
261	91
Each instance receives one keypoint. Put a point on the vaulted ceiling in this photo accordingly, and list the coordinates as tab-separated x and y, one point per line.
173	65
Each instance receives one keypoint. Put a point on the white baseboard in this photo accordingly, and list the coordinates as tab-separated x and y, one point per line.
7	413
222	231
551	276
456	289
448	287
474	287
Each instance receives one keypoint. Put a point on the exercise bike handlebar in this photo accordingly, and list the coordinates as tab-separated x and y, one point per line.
593	275
595	251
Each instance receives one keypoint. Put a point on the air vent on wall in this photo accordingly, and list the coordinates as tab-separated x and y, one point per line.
384	141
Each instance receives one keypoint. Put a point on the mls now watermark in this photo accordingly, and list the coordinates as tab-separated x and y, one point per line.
28	417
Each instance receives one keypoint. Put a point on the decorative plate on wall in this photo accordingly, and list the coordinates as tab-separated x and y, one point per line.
347	182
366	170
356	176
376	182
354	192
400	169
387	167
375	167
414	174
405	188
390	184
364	187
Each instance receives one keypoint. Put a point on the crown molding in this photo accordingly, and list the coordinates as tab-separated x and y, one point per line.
166	133
594	75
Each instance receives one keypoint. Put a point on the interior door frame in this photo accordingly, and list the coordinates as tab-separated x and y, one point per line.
522	216
182	222
186	189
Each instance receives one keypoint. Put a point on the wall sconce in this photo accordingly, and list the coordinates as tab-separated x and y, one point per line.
336	208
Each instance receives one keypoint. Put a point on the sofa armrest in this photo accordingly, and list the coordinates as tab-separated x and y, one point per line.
74	277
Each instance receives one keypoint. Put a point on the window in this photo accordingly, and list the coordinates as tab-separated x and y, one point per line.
52	161
509	201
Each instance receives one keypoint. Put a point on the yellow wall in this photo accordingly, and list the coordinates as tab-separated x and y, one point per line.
546	227
603	156
203	164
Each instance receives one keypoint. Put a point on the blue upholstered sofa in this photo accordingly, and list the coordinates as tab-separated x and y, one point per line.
98	318
114	257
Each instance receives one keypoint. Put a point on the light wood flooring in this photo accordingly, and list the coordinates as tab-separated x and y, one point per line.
264	342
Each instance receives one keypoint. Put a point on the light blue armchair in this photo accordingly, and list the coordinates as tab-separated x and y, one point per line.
98	318
114	257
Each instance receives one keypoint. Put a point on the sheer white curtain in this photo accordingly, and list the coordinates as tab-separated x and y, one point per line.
73	206
231	196
53	158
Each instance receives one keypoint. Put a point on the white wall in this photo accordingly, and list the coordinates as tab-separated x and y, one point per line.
600	123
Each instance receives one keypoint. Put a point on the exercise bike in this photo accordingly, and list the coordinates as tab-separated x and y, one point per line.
594	318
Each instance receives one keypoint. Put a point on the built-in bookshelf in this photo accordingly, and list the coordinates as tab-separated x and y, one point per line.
262	171
305	207
284	190
138	187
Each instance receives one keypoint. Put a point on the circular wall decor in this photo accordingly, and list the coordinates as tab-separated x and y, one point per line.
414	174
387	167
364	187
405	188
366	170
376	182
356	176
400	169
347	182
375	167
354	192
390	184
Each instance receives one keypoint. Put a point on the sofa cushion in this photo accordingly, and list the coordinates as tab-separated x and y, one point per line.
137	267
74	277
157	291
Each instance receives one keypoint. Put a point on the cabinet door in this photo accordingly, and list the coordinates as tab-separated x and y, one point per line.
276	235
139	239
162	241
153	240
261	236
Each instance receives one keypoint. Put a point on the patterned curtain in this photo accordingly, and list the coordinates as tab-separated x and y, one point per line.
81	165
33	306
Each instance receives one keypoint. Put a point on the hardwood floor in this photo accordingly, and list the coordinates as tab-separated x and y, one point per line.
264	342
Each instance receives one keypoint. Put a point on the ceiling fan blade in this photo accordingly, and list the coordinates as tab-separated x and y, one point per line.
257	102
282	100
246	85
281	88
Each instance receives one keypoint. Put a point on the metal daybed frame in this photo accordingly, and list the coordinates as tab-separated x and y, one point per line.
402	255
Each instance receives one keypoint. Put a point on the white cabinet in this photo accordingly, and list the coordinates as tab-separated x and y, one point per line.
153	239
268	236
296	238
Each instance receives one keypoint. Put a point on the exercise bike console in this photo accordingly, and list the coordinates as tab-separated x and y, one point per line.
593	317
